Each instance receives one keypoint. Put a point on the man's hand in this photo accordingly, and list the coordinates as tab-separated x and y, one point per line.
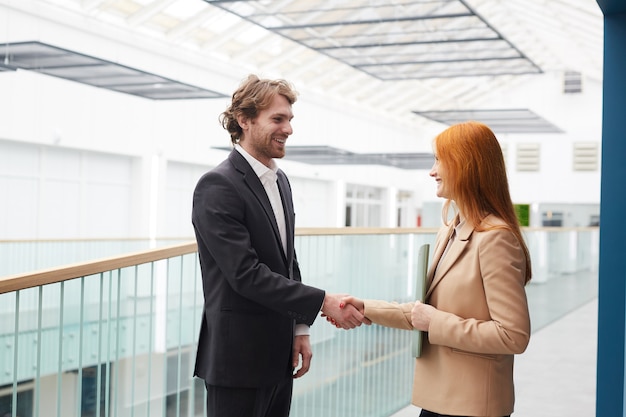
421	315
358	303
342	314
302	349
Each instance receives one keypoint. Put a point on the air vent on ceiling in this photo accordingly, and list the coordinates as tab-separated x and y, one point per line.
572	82
528	156
585	156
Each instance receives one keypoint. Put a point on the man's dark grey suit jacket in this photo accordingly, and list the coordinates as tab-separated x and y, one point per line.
252	289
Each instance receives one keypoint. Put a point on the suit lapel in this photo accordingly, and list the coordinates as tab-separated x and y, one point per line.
286	199
444	264
439	249
254	183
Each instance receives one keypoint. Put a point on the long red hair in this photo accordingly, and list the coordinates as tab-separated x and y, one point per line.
473	159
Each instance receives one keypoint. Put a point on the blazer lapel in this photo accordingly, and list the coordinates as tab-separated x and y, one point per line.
255	185
286	199
441	266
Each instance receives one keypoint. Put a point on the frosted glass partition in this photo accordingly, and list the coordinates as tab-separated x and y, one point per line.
557	251
122	342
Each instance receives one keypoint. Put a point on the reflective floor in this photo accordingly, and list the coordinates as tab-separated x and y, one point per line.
556	376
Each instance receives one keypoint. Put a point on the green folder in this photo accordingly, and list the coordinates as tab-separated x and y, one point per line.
420	291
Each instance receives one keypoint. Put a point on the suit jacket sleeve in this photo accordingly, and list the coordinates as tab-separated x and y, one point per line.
389	314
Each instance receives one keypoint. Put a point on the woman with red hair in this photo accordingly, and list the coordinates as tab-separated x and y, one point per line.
475	312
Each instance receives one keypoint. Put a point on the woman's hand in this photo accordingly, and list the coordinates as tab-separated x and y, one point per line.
421	315
353	302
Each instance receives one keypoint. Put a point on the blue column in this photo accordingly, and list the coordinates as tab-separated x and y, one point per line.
612	269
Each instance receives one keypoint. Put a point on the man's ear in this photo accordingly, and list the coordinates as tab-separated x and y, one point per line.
242	121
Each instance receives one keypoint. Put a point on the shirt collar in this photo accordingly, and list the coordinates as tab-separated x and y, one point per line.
259	169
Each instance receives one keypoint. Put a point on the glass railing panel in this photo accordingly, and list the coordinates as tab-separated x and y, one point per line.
565	265
348	366
179	338
11	394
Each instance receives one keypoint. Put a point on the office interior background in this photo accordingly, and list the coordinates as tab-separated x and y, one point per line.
91	149
110	107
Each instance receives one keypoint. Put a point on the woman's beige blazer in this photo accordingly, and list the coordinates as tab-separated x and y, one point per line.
466	365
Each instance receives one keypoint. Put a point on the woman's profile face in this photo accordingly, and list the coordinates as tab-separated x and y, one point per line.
439	173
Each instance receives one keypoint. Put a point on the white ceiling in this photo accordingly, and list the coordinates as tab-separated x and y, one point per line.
551	35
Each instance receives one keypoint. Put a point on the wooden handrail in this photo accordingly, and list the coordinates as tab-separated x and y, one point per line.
68	272
333	231
64	273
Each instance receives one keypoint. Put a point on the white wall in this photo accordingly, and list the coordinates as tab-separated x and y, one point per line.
50	192
582	115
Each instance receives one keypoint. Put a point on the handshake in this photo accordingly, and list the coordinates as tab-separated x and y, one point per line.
344	311
347	312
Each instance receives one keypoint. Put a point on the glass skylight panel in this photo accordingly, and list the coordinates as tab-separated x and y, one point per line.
185	9
368	34
222	22
73	66
251	35
500	120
